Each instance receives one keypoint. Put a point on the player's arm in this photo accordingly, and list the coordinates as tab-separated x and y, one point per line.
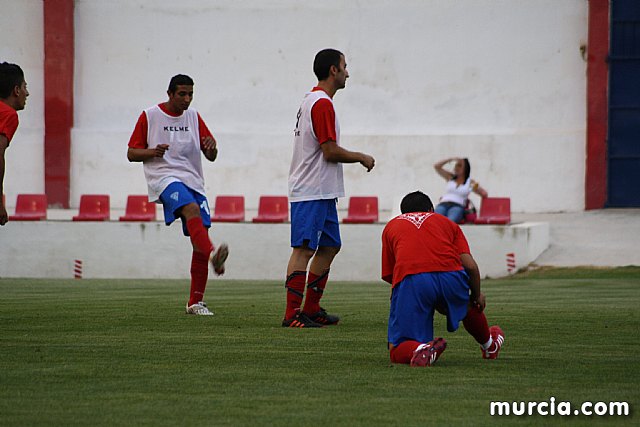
471	267
323	118
139	150
478	190
210	148
388	258
208	143
332	152
439	167
4	143
142	154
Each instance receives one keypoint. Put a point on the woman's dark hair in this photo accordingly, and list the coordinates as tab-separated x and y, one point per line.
467	169
416	202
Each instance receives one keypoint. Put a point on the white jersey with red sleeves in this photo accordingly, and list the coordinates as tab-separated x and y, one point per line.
311	177
182	161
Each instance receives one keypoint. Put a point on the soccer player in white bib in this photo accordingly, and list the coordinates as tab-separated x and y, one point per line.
168	139
315	184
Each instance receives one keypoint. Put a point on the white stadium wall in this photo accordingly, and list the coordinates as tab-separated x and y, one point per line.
62	249
500	82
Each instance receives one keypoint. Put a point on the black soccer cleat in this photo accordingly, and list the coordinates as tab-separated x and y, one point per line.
324	318
300	320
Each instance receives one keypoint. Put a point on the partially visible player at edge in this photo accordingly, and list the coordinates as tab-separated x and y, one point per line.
426	259
315	183
168	139
13	97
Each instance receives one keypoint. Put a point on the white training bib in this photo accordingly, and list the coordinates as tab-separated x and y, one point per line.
182	161
311	177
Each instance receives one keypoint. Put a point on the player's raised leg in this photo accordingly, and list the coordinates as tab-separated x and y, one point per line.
197	231
193	216
203	254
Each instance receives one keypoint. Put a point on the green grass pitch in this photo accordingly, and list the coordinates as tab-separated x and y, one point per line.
121	352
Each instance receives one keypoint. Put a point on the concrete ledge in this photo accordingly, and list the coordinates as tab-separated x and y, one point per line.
258	251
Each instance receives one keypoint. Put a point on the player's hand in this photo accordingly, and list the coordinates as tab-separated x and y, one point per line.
4	217
160	150
368	162
208	143
478	302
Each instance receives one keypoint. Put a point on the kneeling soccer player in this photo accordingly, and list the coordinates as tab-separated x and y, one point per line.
426	259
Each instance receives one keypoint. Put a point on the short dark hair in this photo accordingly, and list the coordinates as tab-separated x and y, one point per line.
179	79
11	75
416	202
467	169
323	62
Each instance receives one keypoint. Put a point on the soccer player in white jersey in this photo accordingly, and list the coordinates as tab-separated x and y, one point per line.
315	184
168	139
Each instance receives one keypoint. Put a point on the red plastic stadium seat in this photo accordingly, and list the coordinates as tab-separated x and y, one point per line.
139	208
30	207
362	210
494	210
93	207
273	209
229	209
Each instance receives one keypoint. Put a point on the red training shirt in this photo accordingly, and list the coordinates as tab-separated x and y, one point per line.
8	121
421	242
139	136
323	117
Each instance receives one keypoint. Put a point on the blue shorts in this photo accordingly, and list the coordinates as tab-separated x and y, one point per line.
416	297
316	222
177	195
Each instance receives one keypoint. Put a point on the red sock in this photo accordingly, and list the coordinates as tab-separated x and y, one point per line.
199	275
403	352
199	236
295	292
476	324
315	288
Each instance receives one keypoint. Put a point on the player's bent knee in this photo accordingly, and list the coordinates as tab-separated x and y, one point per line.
191	210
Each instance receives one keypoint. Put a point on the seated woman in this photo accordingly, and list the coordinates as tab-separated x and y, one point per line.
459	186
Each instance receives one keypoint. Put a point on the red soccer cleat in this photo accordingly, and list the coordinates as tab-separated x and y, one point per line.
498	340
427	354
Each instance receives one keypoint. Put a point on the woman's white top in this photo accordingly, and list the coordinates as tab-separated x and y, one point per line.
457	193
